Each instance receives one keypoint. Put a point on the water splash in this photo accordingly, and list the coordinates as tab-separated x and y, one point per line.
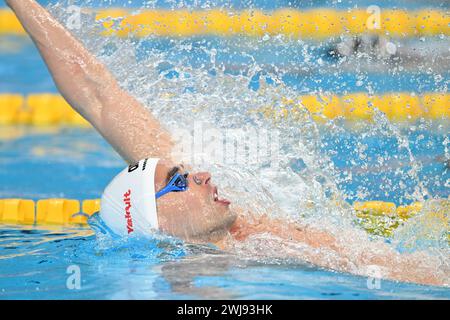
187	81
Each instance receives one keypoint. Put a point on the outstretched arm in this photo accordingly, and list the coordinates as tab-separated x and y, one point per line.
89	87
342	253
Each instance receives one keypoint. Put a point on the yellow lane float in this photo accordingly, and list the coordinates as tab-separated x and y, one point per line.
397	107
55	211
51	109
376	217
318	23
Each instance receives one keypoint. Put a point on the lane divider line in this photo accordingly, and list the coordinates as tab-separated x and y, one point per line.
397	106
376	217
55	211
41	109
319	23
51	109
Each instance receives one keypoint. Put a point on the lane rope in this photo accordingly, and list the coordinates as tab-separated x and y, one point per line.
51	109
320	23
376	217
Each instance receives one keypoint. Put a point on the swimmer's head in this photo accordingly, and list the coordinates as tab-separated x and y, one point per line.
198	213
135	202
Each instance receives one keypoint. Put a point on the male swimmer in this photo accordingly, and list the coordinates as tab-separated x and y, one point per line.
156	193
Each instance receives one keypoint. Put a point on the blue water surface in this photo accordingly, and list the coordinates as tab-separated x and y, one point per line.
78	163
37	262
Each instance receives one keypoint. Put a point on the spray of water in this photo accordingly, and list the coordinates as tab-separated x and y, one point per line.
185	82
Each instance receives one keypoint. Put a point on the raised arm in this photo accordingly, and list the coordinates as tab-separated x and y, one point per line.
89	87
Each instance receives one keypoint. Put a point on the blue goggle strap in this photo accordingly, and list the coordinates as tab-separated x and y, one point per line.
172	187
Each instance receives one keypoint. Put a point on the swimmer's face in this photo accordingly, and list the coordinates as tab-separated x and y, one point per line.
195	214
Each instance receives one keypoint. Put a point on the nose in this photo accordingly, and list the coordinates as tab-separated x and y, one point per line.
202	178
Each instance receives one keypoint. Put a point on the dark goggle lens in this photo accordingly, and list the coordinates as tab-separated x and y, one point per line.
181	182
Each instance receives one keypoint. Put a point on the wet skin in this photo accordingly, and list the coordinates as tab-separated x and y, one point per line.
198	214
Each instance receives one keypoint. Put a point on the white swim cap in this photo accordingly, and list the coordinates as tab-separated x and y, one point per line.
128	204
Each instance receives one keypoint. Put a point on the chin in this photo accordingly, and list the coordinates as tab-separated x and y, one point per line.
224	222
219	233
230	218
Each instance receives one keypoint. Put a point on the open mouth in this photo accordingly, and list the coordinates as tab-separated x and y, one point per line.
219	200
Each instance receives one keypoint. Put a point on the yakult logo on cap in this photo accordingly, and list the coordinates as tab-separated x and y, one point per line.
129	219
128	203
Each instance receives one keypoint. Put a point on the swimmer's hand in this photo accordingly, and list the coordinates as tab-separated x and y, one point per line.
91	89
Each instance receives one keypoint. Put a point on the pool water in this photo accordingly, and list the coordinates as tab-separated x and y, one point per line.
38	262
167	271
40	165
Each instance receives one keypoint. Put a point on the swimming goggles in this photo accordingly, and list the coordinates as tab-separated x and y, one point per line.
178	183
